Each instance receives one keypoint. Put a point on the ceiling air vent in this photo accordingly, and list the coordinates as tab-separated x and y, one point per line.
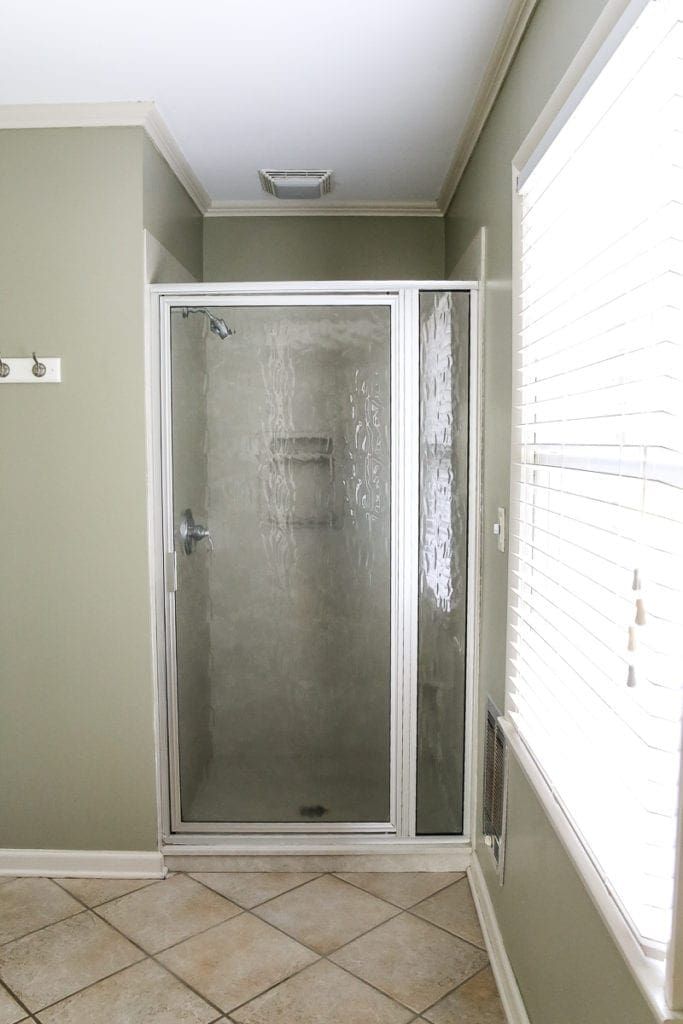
296	184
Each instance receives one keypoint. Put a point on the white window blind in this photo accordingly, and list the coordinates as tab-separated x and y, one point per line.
595	656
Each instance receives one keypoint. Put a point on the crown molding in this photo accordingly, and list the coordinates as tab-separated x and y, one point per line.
320	208
144	114
75	115
516	21
160	136
138	114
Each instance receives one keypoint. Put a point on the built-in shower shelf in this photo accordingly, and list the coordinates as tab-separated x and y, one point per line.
302	448
302	457
307	463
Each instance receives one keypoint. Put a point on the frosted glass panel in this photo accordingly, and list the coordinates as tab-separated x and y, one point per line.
444	372
281	448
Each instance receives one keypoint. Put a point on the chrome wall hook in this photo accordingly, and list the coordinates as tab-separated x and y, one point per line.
38	369
4	368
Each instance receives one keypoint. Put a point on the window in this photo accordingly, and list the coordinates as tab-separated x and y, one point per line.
595	659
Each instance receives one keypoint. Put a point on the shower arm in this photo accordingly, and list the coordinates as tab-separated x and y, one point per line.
217	325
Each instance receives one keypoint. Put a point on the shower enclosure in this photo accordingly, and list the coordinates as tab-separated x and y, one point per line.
314	475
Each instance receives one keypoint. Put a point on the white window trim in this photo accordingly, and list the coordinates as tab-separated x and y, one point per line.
661	982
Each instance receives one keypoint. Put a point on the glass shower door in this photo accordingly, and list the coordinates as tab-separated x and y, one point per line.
280	496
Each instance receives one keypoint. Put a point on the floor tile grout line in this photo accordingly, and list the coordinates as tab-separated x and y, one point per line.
166	949
370	984
92	984
15	997
454	935
400	910
165	967
154	956
395	999
393	904
359	936
455	988
60	920
320	957
112	974
326	957
150	883
145	956
270	899
282	981
101	917
362	935
331	951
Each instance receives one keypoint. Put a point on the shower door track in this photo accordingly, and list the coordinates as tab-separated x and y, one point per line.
402	298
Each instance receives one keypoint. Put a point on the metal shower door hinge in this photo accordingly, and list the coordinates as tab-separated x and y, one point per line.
171	572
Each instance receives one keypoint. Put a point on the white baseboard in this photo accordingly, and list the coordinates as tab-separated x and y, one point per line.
83	863
510	996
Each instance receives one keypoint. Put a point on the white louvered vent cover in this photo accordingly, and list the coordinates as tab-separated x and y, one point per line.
494	796
296	184
596	572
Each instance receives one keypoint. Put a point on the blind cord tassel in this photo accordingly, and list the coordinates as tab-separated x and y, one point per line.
640	620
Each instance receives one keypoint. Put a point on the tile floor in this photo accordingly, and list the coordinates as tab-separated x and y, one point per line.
244	948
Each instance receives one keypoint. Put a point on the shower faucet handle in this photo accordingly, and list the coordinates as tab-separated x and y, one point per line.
191	533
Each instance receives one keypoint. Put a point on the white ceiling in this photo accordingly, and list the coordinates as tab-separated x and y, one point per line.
377	90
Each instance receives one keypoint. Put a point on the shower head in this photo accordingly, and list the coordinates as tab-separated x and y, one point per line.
217	325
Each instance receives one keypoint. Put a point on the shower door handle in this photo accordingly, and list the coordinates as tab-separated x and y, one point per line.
191	533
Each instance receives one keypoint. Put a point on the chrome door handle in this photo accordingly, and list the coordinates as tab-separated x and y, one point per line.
191	533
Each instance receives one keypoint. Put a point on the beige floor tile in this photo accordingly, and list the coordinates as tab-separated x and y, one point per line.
475	1002
322	994
249	888
237	960
326	913
30	903
93	891
10	1011
6	878
167	912
144	992
453	909
411	960
404	888
57	961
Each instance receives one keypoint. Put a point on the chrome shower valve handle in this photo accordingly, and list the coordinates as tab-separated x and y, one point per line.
191	533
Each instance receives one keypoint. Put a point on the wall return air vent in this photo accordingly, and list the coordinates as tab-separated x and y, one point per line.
495	787
296	184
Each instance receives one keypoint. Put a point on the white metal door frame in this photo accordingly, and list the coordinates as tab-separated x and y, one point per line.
402	298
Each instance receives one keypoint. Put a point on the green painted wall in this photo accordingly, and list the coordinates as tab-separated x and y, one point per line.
569	970
77	722
322	248
169	213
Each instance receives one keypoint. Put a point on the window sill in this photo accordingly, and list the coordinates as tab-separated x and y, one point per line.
648	973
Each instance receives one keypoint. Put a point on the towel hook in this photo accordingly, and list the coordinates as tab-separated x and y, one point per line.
38	369
4	368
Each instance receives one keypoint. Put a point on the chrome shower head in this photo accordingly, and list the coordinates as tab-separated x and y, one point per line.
217	325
